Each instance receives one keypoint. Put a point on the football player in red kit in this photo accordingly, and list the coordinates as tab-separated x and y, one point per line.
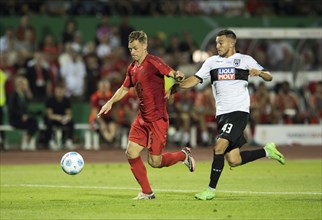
149	129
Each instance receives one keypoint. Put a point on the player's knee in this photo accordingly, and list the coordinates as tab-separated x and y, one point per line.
221	146
130	154
219	149
234	163
154	163
127	154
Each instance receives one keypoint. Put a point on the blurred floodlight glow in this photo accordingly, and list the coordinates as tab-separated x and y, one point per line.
199	56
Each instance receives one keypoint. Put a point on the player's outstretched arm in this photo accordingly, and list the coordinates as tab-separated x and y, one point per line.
267	76
184	84
189	82
119	94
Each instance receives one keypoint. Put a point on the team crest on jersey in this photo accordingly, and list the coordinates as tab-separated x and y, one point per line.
236	62
226	73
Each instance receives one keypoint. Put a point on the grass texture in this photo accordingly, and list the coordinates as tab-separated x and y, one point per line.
259	190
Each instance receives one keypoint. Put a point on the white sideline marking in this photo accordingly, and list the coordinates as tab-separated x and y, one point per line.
160	190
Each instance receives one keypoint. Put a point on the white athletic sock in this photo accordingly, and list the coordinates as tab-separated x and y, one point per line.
266	153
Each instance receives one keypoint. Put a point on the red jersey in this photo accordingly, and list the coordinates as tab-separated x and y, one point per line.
148	80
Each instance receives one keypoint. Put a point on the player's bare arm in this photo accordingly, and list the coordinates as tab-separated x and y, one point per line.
189	82
184	84
119	94
265	75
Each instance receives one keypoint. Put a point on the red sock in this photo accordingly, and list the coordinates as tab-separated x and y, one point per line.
139	171
168	159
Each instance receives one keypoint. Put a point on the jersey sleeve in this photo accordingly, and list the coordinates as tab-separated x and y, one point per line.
160	65
204	72
253	64
128	82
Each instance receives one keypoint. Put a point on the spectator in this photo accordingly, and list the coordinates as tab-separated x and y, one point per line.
202	113
73	73
66	55
92	74
125	29
19	117
315	103
10	71
307	58
24	27
188	44
38	77
183	101
59	115
3	78
51	51
103	28
48	44
27	46
69	31
174	46
260	54
185	64
281	55
89	48
106	124
262	110
106	29
156	43
261	106
113	67
10	45
286	104
78	40
104	47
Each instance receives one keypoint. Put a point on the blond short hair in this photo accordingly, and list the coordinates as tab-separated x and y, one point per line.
138	35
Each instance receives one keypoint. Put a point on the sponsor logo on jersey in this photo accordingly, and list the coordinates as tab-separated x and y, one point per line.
226	73
236	62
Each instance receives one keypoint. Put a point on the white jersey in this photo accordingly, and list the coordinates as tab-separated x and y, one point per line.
229	81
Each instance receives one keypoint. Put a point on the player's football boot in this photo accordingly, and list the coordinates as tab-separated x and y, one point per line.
143	196
208	194
273	153
189	161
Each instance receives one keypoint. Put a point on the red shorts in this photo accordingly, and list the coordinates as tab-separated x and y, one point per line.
152	135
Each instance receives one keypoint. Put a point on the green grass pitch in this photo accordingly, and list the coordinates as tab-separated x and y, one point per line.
260	190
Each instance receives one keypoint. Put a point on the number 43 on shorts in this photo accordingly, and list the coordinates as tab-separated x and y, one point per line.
227	128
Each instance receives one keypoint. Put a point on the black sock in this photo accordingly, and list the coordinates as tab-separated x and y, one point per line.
216	169
248	156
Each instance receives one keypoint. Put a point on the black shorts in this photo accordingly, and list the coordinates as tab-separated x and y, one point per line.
231	126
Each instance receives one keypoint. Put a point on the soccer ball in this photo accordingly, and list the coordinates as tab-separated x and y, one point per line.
72	163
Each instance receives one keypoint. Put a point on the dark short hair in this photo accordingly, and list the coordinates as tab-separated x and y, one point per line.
138	35
227	33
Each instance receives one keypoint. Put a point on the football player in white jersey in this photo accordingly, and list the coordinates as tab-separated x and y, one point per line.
228	72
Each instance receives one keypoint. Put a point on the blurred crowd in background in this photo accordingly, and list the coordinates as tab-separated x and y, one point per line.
162	7
80	65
